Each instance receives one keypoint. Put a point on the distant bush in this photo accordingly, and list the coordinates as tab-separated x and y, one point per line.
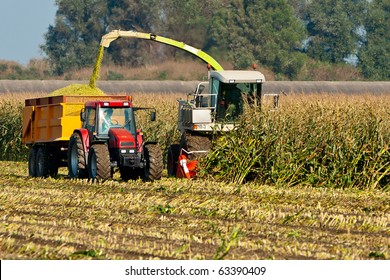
183	70
114	76
14	71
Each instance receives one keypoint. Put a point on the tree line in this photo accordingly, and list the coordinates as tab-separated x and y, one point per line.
284	36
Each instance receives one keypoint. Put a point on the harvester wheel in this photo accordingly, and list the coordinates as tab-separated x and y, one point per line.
99	166
43	162
154	162
198	144
173	155
76	158
32	162
129	173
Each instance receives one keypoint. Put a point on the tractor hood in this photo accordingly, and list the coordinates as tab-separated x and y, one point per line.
121	138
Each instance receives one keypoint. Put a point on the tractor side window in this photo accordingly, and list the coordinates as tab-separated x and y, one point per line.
129	121
90	119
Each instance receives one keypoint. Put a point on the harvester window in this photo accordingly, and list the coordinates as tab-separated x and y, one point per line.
230	104
215	85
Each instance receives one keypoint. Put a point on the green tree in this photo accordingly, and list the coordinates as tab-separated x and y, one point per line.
299	7
333	27
74	39
185	21
374	55
138	15
265	32
189	20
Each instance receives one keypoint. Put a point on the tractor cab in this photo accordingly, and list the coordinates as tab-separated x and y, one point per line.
99	117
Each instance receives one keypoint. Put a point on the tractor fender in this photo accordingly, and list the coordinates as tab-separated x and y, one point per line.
144	144
148	142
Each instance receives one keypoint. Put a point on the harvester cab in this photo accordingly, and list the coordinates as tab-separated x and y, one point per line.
109	139
217	108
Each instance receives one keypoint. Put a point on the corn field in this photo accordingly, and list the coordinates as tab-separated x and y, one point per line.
11	147
321	140
307	181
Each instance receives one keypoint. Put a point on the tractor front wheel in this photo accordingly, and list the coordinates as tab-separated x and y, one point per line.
154	162
99	166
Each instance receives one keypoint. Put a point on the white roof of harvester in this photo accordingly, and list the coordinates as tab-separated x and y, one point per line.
238	76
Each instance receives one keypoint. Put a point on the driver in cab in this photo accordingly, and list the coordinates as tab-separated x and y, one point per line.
106	120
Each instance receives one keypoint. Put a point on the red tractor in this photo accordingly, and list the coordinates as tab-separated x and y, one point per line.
109	140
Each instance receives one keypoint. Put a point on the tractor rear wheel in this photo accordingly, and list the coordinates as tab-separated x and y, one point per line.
99	165
154	162
198	144
173	155
76	158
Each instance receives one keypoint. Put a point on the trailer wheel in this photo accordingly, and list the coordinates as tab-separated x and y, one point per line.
154	162
43	162
195	143
32	162
53	162
76	158
99	165
173	155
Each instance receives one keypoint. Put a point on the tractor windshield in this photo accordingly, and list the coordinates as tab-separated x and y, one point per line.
116	118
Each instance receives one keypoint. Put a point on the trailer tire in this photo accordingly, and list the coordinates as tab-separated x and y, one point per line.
32	162
173	155
53	162
99	165
154	162
43	162
76	158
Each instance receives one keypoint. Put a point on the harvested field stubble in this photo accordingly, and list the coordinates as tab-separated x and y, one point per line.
180	219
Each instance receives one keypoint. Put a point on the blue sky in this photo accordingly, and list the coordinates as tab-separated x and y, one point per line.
23	24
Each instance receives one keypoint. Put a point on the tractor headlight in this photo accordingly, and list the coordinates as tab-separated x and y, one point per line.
127	151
